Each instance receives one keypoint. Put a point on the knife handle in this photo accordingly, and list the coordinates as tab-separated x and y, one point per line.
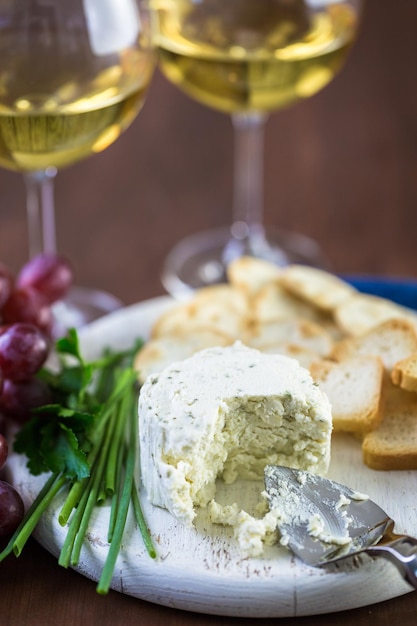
402	551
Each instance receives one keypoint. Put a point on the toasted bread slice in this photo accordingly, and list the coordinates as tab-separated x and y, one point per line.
354	389
203	313
160	352
273	301
393	444
395	397
303	355
224	295
322	289
250	274
392	341
404	373
298	332
361	312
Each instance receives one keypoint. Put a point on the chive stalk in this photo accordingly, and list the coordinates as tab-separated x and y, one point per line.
112	441
122	511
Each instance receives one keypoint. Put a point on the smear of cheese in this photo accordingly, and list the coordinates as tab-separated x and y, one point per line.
323	518
228	412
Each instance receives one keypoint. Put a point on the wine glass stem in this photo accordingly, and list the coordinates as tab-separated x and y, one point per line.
248	176
41	211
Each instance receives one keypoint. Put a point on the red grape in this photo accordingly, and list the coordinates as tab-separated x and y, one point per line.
12	509
27	305
4	450
23	351
49	274
6	284
19	397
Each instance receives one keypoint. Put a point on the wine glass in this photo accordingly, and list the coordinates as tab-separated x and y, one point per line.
73	76
247	58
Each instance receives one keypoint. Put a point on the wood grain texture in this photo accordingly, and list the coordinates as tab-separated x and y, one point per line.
340	167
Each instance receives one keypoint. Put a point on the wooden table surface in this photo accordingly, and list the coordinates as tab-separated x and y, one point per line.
340	167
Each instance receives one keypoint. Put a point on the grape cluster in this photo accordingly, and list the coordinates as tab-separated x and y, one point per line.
11	505
28	298
26	329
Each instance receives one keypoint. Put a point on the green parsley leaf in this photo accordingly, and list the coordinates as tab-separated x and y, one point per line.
86	438
60	447
51	441
27	442
70	345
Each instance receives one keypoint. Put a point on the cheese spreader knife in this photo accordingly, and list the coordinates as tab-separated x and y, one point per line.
322	521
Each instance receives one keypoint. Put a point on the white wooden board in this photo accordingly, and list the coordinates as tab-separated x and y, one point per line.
202	569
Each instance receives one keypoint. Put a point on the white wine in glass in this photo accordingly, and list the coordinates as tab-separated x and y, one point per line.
73	76
248	58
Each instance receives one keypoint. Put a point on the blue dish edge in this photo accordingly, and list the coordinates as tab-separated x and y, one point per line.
400	290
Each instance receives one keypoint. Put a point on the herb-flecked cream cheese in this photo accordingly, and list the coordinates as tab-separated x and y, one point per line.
227	412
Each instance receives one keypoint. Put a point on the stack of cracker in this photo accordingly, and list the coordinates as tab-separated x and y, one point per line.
360	349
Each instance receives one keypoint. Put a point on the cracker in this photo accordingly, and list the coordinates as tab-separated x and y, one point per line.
393	444
203	314
303	355
354	388
250	274
392	340
395	397
298	332
223	294
404	373
160	352
361	312
322	289
273	301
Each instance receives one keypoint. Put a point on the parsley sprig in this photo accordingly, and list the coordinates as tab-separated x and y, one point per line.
86	439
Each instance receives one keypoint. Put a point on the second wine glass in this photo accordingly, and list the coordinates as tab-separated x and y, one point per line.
248	58
73	77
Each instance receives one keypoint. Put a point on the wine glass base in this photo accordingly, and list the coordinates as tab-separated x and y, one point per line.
82	306
201	260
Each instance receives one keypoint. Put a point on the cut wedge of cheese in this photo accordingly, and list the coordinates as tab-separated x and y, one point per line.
227	412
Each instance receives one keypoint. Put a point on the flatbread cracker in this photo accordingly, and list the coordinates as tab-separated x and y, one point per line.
322	289
250	274
298	332
361	312
160	352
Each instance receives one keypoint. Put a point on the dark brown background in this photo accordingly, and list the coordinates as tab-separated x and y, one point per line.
341	168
